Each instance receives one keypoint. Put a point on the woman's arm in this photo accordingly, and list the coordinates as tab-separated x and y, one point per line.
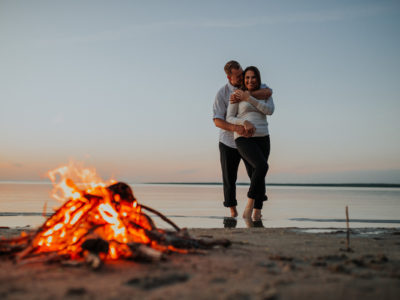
267	107
231	115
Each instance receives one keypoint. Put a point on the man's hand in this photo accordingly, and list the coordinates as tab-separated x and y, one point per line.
240	130
239	95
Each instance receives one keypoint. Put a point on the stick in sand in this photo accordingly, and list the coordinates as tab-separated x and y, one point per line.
348	229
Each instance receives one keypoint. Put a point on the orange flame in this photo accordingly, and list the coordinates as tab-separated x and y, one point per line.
92	209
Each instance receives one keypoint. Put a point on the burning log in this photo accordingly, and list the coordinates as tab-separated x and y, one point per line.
93	248
96	246
98	223
145	253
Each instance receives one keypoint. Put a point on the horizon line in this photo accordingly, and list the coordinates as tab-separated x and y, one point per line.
289	184
342	184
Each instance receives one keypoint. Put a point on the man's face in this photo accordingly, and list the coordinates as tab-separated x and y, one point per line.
236	77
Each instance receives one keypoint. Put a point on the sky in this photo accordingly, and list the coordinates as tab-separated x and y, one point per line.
128	87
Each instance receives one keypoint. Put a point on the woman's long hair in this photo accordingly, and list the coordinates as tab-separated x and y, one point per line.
258	77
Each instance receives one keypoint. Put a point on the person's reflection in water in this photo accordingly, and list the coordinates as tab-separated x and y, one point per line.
230	222
258	223
250	223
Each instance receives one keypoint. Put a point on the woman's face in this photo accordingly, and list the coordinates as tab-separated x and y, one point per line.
250	80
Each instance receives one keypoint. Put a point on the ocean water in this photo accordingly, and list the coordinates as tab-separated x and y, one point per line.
200	206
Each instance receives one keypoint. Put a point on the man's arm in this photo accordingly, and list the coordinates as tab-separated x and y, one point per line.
219	115
262	94
228	126
266	107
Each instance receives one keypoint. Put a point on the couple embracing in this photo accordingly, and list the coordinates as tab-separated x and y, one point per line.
240	111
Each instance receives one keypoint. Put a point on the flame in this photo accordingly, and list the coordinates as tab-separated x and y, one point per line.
91	209
64	186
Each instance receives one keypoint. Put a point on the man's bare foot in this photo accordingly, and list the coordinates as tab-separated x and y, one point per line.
257	214
234	212
249	209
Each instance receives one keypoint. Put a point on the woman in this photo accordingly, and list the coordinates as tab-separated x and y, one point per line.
251	113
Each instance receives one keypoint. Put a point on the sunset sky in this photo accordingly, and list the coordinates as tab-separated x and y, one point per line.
128	87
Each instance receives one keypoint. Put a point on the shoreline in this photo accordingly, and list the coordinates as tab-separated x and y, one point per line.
261	263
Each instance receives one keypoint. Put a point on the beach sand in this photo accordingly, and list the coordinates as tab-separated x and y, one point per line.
261	263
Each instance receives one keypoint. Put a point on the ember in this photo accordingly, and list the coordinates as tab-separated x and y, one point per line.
98	222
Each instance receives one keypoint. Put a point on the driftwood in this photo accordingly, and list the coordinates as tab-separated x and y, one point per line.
91	247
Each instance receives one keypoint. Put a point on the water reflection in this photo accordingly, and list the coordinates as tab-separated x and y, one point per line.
250	223
304	207
229	222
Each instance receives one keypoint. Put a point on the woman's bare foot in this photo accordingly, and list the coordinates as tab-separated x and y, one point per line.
257	214
249	209
249	223
234	212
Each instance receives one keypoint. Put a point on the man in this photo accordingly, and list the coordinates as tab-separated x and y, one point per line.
229	156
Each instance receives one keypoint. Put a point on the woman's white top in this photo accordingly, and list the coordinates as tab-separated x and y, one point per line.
254	111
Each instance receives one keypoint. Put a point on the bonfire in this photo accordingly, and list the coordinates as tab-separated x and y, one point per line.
99	221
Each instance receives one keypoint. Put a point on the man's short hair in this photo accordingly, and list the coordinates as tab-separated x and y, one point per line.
232	64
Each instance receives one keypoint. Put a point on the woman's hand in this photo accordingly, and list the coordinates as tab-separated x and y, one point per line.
248	125
249	129
241	130
242	95
234	98
239	95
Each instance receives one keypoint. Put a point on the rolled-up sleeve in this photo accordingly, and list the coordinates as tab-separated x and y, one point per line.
219	108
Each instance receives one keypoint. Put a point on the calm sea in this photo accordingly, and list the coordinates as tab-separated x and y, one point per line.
200	206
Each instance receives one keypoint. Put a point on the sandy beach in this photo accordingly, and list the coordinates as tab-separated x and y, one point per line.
261	263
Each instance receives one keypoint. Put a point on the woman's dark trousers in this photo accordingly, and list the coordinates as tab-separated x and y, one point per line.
255	151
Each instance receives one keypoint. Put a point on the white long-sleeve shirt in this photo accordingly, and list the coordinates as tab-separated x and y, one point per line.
254	111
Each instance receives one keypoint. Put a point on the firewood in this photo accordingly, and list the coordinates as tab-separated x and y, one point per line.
93	260
47	258
161	216
109	224
144	253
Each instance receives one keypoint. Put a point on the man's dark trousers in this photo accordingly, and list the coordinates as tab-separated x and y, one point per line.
230	159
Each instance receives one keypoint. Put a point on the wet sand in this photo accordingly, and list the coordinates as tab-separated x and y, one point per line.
261	263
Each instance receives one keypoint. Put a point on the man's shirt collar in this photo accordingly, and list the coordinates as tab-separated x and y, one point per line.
231	87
